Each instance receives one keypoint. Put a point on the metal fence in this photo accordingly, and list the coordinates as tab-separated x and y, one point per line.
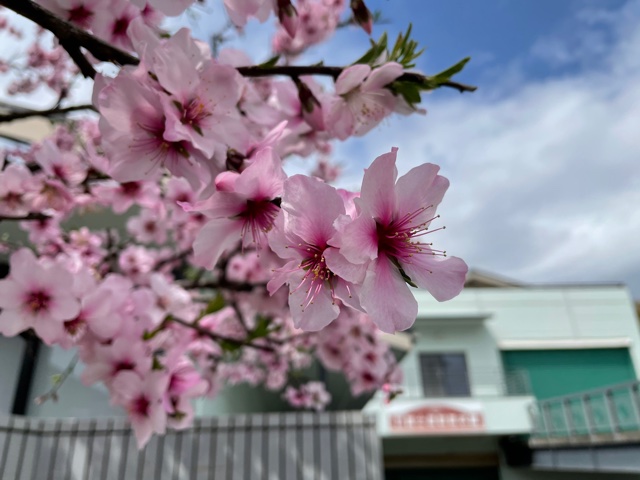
300	446
607	415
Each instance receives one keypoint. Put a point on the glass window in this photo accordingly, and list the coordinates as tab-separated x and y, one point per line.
444	375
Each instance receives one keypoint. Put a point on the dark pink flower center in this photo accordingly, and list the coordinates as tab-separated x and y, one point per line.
258	217
123	365
75	327
38	300
120	26
399	238
140	406
130	189
80	15
194	113
317	274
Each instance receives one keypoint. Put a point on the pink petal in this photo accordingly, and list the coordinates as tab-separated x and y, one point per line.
64	307
386	297
382	76
214	239
340	119
281	276
418	188
358	242
312	207
339	265
10	295
377	196
312	316
264	178
351	77
24	267
442	277
12	323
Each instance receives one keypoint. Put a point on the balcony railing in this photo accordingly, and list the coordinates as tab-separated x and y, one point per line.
606	415
482	383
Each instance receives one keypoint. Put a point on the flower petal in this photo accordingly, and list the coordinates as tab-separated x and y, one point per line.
351	77
377	197
386	297
217	236
442	277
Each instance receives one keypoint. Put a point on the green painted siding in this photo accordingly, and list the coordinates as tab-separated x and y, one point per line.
561	372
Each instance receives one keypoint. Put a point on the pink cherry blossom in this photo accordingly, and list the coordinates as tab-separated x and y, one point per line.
36	296
142	398
246	214
386	237
362	100
309	209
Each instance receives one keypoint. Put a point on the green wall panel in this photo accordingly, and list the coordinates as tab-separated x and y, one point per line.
561	372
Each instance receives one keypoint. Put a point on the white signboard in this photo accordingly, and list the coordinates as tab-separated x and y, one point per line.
436	417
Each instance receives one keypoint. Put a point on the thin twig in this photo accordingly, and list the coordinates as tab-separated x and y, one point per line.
52	112
52	394
221	338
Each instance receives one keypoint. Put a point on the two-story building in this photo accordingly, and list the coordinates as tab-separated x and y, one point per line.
481	360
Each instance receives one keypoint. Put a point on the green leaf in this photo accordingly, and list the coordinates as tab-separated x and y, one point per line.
270	63
216	304
446	75
228	346
262	328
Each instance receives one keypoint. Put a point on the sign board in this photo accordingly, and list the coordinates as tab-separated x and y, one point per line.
435	417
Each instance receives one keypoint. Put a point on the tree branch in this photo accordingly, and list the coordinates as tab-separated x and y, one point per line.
19	115
30	216
220	338
72	38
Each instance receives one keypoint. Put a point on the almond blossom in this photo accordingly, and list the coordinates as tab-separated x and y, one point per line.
36	296
386	237
309	210
362	100
244	213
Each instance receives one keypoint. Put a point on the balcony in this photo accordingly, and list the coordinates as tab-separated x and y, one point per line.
602	416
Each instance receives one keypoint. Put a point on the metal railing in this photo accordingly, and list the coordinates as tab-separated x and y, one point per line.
481	383
606	415
304	446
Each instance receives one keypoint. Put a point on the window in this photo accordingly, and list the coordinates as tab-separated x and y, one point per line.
444	375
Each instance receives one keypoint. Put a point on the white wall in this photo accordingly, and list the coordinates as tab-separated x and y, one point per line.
582	313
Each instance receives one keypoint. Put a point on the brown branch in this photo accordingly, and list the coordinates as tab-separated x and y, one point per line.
220	338
297	70
224	284
30	216
72	38
19	115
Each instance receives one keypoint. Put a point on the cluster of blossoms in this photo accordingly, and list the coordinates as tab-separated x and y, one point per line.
311	396
222	268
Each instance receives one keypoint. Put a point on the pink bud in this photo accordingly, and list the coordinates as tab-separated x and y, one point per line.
288	16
